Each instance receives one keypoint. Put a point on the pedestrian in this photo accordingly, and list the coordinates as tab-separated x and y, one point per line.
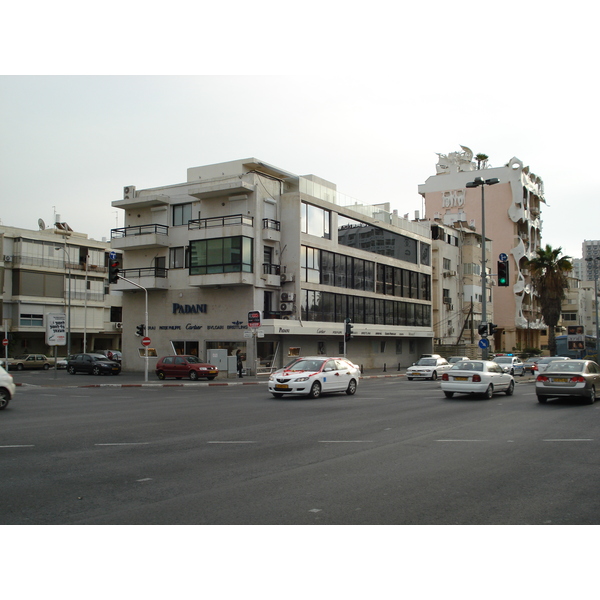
240	367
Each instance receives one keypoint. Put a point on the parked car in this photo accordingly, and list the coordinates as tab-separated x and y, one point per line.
313	375
455	359
530	365
579	378
477	377
513	363
428	368
30	361
181	366
112	355
544	362
7	388
96	364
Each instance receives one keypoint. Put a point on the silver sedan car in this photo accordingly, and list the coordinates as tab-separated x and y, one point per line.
579	378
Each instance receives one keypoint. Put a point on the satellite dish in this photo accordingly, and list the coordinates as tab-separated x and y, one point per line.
41	224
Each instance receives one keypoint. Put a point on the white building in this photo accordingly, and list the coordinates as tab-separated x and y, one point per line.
56	270
246	236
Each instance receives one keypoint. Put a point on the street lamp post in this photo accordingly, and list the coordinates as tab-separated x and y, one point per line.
596	260
64	248
479	181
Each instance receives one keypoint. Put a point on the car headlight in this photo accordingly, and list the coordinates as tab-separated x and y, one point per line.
302	379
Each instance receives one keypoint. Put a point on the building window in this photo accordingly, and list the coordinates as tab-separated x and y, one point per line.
447	264
315	221
221	255
182	213
31	320
178	258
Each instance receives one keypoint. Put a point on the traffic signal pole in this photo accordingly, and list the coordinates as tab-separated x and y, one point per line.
145	321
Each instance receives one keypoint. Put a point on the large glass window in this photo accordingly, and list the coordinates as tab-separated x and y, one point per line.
315	221
221	255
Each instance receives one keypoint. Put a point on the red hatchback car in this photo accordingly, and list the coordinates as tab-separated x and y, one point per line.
184	366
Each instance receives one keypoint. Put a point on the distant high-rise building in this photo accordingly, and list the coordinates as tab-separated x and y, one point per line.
590	249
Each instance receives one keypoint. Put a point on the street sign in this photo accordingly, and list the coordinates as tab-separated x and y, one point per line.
5	342
146	341
503	257
247	334
254	318
484	343
260	333
112	255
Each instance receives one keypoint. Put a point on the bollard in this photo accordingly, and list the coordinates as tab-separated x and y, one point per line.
362	370
384	367
398	366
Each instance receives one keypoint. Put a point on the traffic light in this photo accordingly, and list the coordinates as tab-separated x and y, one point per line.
348	330
113	270
492	328
502	274
483	329
140	330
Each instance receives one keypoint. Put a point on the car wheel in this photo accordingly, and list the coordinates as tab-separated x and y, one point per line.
96	370
511	389
210	378
4	399
449	394
409	378
19	367
193	375
351	389
592	397
160	375
489	393
315	390
434	376
512	372
542	399
71	370
46	367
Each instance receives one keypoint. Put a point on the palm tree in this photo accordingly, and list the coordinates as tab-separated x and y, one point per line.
549	279
481	158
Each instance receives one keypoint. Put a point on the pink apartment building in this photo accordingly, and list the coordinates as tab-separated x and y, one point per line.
513	225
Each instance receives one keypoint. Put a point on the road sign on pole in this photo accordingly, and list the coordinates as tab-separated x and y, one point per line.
146	341
254	318
484	343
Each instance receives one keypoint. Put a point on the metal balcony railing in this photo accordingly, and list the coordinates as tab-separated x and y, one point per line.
144	272
221	222
271	224
269	269
153	228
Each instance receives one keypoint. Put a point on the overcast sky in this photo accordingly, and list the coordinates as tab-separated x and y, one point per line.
362	100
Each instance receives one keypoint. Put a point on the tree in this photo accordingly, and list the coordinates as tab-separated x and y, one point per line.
549	279
481	158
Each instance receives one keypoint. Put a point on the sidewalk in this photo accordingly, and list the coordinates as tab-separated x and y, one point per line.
137	379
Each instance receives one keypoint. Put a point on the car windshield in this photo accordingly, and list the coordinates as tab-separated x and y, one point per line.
427	362
193	359
307	365
468	366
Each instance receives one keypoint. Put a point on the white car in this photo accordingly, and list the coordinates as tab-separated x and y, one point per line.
313	375
477	377
7	388
428	368
513	363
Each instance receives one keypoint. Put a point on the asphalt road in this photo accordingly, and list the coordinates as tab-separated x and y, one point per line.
397	452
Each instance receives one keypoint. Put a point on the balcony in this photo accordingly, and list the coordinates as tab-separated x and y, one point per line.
151	278
138	237
229	221
271	274
271	230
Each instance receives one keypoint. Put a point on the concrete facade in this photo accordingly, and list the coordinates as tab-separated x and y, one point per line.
56	270
245	236
513	224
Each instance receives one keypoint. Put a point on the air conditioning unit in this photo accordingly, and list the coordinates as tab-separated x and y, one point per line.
287	277
118	325
449	273
447	299
129	192
7	258
288	297
286	307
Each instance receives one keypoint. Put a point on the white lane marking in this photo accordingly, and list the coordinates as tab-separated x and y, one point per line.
239	442
315	510
145	479
124	444
19	446
570	440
